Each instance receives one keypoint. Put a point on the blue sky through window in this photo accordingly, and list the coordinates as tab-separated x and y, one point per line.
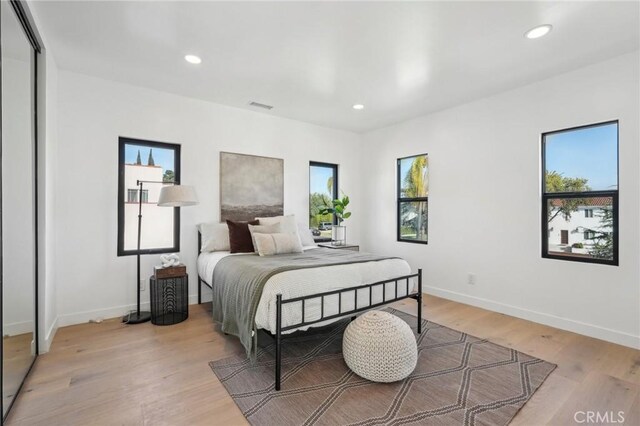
589	153
319	177
405	166
162	157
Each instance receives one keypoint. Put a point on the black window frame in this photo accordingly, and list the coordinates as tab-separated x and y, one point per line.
122	141
401	200
613	194
334	168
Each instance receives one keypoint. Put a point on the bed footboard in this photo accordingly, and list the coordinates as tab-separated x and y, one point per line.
404	280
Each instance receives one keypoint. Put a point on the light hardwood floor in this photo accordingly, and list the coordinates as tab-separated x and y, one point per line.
15	363
112	374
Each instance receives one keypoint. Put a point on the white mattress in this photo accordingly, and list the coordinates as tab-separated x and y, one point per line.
303	282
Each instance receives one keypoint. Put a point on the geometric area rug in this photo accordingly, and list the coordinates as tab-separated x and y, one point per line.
459	380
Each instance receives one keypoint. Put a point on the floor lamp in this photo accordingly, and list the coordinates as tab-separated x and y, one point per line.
174	195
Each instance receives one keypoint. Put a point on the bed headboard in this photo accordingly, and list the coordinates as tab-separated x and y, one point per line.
199	242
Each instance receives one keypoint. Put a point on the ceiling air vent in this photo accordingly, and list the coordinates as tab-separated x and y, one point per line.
259	105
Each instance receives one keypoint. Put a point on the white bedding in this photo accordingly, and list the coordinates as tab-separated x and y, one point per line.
303	282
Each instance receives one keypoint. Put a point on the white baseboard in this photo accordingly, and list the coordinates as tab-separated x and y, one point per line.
51	333
27	327
16	328
113	312
579	327
567	324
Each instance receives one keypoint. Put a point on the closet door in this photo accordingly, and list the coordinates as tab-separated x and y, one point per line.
19	336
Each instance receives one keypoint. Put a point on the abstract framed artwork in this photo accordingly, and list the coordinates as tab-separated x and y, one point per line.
250	186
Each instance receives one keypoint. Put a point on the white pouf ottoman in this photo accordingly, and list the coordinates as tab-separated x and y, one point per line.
380	347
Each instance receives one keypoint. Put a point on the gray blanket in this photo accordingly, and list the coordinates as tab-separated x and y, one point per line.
238	282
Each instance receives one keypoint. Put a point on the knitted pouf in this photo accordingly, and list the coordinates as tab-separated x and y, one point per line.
380	347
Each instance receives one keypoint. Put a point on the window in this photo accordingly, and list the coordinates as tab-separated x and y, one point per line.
580	172
152	163
132	195
323	189
413	199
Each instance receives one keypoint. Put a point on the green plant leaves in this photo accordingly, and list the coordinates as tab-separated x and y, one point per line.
338	207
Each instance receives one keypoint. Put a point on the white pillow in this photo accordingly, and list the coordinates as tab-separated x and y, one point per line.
281	243
306	237
215	236
263	229
287	223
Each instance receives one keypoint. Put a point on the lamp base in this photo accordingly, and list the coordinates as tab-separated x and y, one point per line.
136	317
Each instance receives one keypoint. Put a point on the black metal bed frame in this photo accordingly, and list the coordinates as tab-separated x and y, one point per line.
280	302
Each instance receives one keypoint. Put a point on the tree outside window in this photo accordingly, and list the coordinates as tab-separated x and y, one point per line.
580	194
413	199
323	189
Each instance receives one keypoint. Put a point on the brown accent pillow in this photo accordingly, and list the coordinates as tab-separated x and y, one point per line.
240	237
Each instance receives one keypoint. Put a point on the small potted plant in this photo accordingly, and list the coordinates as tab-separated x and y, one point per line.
338	208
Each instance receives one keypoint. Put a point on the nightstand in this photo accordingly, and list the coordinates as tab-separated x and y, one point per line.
169	295
352	247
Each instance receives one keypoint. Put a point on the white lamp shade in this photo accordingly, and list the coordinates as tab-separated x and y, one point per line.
177	196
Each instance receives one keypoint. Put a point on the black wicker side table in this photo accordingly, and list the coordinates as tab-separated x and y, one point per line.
169	296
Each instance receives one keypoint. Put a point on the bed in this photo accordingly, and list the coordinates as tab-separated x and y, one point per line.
297	292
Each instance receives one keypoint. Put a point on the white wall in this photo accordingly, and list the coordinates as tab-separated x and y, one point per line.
47	165
485	202
92	113
47	111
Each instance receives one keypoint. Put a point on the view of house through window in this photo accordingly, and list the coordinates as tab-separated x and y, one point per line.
323	189
413	198
580	193
153	163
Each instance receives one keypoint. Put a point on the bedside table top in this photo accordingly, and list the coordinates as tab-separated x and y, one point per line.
170	271
344	246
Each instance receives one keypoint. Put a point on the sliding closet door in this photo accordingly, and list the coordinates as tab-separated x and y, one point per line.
18	204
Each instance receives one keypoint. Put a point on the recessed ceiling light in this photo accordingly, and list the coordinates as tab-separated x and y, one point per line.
539	31
192	59
358	106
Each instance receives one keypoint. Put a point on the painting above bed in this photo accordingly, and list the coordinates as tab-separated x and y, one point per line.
250	186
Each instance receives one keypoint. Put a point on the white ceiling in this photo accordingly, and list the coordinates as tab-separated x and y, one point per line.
313	61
